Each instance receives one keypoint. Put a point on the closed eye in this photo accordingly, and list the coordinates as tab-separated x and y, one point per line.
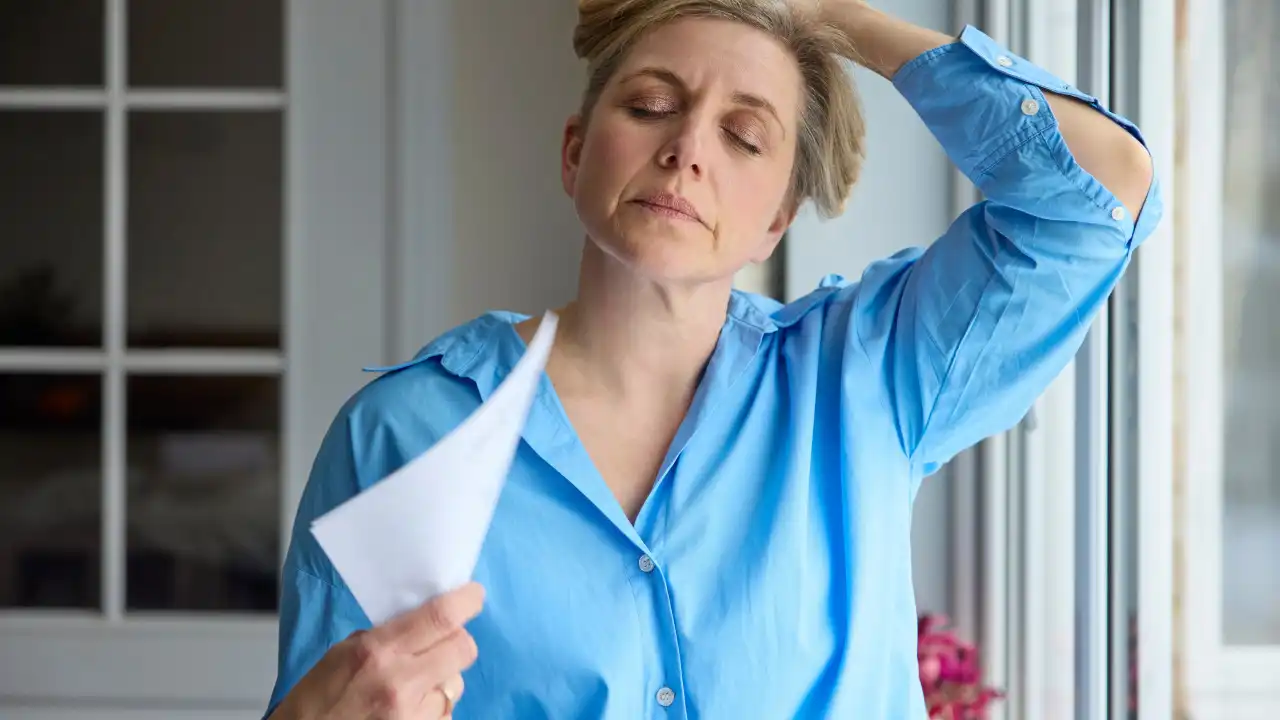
742	143
644	113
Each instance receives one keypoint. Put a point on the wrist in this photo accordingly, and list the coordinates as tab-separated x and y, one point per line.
286	710
849	16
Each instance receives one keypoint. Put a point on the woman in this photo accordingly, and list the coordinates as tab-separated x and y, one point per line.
710	513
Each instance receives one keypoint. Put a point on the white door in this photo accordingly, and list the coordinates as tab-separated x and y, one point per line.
193	249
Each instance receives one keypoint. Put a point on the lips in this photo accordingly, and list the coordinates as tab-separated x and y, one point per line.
671	205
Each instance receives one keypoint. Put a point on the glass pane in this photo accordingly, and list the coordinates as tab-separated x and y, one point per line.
1251	256
52	42
206	43
204	493
51	228
51	483
205	217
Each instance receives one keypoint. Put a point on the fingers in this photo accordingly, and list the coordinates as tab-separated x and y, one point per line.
395	683
453	654
413	661
420	629
438	672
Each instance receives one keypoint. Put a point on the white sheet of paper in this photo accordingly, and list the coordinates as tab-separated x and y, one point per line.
419	531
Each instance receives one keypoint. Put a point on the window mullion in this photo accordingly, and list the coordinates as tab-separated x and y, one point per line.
1092	467
113	406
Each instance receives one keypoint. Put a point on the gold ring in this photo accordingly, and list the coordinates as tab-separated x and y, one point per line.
447	691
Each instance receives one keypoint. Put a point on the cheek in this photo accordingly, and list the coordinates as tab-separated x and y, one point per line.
610	157
752	200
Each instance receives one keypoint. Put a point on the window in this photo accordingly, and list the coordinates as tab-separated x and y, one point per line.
140	307
171	352
1229	524
1251	332
1079	558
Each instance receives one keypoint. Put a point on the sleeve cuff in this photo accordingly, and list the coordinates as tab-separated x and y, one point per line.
982	101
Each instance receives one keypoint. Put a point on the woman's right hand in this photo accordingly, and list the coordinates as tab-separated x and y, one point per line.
409	667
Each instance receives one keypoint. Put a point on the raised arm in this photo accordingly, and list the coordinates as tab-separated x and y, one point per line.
968	332
1103	148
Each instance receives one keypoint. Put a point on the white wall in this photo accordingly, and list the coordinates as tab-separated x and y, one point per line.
491	85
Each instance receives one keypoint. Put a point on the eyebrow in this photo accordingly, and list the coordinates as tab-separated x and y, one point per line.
739	98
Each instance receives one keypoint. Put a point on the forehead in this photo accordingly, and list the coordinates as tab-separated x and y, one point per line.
716	56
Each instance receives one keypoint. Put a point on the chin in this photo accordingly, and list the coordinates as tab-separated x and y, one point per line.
662	257
657	248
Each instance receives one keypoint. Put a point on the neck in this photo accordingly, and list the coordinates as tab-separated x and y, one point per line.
629	336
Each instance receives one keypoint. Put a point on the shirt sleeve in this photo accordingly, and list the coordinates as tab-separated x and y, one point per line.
317	611
968	332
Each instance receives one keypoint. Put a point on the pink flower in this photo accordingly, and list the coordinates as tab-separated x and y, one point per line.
950	673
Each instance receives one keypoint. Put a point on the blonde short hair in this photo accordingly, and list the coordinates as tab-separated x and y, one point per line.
829	145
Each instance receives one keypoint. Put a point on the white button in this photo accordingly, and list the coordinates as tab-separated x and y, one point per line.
646	564
666	696
1117	213
1003	61
1030	107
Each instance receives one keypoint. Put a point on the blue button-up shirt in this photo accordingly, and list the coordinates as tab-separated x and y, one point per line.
768	574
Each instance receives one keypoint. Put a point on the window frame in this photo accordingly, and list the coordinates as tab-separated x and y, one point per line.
1021	525
337	245
1154	32
1058	553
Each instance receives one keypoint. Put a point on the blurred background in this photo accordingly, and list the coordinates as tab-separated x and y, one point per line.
214	213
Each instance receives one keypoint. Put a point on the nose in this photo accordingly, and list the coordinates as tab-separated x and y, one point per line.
683	150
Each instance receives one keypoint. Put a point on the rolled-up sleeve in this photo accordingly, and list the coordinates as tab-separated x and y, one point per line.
968	332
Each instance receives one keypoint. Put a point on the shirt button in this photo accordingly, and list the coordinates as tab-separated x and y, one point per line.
1003	61
646	564
1030	107
1117	213
666	696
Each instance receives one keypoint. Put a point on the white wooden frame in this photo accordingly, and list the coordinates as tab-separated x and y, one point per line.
1155	105
337	240
1220	681
1048	640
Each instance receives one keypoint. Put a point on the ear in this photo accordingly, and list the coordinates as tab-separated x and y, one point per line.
786	215
571	153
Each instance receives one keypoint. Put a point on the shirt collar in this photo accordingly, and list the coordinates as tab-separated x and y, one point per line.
484	350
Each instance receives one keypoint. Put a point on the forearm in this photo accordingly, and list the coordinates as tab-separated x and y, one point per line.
1105	150
1102	148
883	42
